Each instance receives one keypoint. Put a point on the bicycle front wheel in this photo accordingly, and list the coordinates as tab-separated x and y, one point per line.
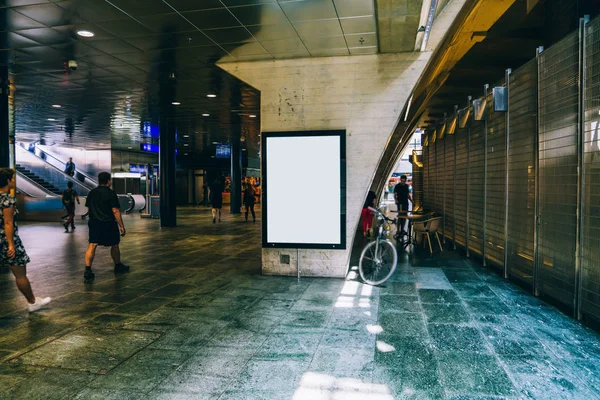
377	263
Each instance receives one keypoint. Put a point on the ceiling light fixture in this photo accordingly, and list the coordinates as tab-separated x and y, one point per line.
252	116
130	148
215	142
211	95
176	103
51	119
186	144
186	135
85	33
206	115
56	105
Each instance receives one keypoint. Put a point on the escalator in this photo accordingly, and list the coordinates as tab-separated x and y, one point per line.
46	176
39	181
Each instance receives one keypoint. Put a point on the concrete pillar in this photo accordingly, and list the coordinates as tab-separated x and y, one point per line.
168	194
363	95
236	165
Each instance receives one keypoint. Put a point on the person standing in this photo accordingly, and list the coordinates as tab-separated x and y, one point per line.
68	199
401	197
367	215
70	167
216	198
12	252
249	199
105	224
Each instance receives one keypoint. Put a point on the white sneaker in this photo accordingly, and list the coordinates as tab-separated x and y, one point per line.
39	303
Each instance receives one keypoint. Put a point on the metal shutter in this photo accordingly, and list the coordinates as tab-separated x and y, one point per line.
558	113
522	98
476	185
460	187
449	187
496	184
590	245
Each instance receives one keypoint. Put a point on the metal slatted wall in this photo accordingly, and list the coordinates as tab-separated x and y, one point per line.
558	164
476	185
462	165
590	265
440	175
426	169
496	183
450	182
522	99
433	170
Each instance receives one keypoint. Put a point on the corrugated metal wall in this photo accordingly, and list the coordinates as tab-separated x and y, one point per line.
461	180
558	158
522	165
590	265
426	171
449	183
440	174
496	184
553	132
476	185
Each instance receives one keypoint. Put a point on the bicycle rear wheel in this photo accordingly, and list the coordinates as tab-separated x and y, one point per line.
377	264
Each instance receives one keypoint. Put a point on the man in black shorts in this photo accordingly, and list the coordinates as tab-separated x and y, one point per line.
402	196
106	225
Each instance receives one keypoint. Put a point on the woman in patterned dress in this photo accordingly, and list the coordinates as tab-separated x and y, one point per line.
12	252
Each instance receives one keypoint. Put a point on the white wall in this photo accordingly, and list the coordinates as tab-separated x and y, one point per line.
362	94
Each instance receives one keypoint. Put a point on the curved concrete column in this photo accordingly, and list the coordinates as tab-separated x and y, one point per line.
363	95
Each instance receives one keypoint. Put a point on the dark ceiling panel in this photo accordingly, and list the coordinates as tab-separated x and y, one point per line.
308	9
49	14
45	36
212	19
262	14
187	5
125	28
230	35
141	8
17	21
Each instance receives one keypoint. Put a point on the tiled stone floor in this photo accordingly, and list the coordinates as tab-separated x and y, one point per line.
196	320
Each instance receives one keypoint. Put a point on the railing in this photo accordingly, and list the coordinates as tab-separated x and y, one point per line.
48	172
51	159
30	188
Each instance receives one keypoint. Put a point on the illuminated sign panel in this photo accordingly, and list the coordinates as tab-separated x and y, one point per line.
304	183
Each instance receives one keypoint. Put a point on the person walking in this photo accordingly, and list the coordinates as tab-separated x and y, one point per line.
367	215
105	224
12	252
249	200
401	197
68	199
70	167
216	198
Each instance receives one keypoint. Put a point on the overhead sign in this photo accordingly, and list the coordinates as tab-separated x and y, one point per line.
304	186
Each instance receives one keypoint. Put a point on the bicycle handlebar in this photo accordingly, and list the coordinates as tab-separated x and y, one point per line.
380	214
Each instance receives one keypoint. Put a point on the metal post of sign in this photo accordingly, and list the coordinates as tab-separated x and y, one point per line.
486	89
580	167
507	174
299	271
467	231
537	221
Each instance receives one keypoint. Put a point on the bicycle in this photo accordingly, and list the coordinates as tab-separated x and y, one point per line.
379	257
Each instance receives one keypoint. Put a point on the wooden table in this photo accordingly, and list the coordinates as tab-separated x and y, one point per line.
410	216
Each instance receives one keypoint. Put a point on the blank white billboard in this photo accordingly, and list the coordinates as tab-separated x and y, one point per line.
304	182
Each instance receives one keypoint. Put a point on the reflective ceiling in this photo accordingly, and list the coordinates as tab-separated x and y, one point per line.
146	54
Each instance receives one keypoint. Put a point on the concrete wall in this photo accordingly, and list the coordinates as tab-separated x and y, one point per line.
362	94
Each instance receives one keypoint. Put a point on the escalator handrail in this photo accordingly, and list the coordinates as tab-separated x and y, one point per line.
48	165
47	154
40	187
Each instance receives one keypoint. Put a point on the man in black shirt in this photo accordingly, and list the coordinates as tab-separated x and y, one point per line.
402	196
106	225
